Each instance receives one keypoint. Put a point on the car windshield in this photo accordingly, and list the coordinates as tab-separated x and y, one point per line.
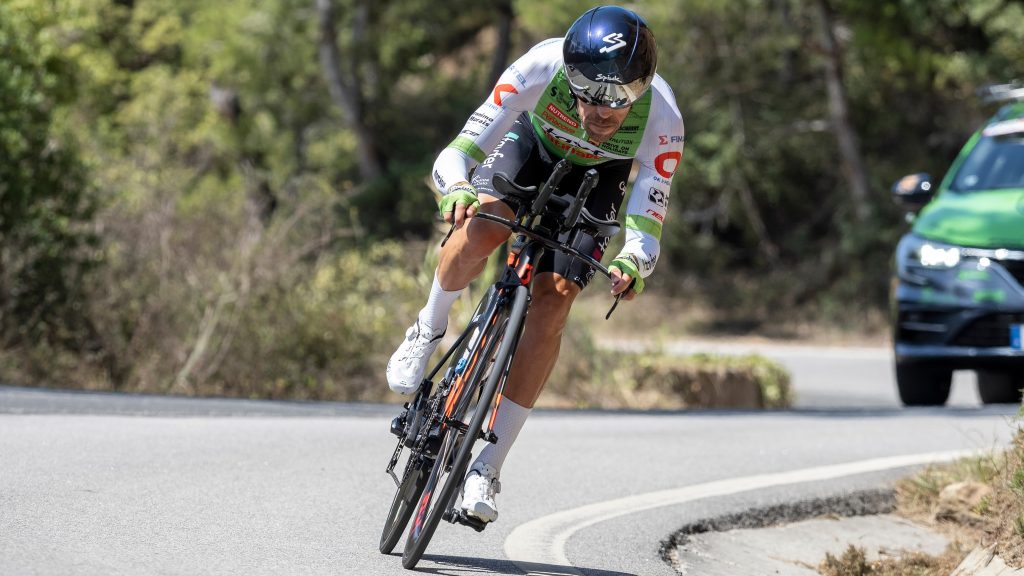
996	162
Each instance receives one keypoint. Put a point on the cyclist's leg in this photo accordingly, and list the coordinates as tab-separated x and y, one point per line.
552	297
464	255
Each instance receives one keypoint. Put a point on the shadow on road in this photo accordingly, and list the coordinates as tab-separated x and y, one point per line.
458	565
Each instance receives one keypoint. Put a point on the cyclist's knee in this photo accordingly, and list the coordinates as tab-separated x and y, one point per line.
553	295
484	236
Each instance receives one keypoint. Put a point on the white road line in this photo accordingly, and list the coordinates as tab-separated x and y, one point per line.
538	547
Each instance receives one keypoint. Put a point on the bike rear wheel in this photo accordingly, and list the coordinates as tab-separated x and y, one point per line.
422	452
439	492
417	469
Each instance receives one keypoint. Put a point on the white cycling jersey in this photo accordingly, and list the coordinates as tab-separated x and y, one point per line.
652	134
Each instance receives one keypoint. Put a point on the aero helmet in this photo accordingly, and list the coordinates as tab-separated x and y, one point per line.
610	56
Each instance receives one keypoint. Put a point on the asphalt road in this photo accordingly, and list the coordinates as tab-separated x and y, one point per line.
114	484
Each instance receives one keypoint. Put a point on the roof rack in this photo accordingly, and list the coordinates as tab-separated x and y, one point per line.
1011	92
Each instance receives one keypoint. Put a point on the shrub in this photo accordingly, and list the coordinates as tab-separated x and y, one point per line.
590	377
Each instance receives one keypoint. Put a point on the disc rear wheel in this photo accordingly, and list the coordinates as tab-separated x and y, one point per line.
417	469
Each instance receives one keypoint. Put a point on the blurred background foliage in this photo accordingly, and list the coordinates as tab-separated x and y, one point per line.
231	197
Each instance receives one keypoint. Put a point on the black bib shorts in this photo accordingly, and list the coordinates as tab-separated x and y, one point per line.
521	156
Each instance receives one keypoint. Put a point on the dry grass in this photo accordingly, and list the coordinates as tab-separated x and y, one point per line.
996	519
854	562
590	377
679	312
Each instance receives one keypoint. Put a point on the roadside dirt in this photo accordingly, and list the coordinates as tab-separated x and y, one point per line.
659	315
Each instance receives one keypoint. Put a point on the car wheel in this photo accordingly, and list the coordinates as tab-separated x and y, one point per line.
923	385
1000	387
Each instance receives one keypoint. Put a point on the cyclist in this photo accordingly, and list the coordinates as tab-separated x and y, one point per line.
592	97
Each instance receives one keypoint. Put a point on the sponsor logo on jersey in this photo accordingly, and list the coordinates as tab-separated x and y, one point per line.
519	75
566	144
644	264
503	89
620	149
666	163
615	40
470	133
554	121
562	116
658	197
649	262
664	139
656	215
496	153
439	181
482	119
563	99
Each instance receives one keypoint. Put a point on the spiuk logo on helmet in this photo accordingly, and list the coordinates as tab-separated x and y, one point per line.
610	57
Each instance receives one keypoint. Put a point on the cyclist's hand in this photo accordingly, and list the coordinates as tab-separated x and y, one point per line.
620	282
459	204
623	272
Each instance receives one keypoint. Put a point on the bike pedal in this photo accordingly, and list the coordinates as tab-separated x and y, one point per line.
460	517
398	423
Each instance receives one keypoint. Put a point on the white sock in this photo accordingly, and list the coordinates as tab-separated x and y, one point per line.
507	424
439	303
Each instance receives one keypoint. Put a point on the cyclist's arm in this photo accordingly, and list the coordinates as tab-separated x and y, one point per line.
658	157
517	91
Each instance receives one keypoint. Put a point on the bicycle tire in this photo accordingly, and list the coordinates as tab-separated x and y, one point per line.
420	458
417	468
458	446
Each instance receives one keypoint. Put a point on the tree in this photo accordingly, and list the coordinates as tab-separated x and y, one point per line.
45	202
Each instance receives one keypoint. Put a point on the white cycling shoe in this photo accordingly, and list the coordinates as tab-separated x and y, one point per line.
478	492
409	362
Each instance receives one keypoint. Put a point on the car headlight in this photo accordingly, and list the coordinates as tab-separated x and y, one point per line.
916	252
932	256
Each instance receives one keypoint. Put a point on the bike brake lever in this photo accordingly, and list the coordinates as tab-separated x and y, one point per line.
449	234
617	297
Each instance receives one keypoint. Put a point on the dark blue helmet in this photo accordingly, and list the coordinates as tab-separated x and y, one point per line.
610	56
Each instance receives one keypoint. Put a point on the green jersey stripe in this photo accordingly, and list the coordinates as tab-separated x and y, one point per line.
646	225
467	146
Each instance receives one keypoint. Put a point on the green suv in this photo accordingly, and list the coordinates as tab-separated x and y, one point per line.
958	299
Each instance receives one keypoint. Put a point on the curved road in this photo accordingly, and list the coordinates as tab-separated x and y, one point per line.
115	484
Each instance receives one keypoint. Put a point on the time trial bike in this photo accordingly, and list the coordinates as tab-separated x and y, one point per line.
438	428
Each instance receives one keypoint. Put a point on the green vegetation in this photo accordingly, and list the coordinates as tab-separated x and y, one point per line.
231	197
